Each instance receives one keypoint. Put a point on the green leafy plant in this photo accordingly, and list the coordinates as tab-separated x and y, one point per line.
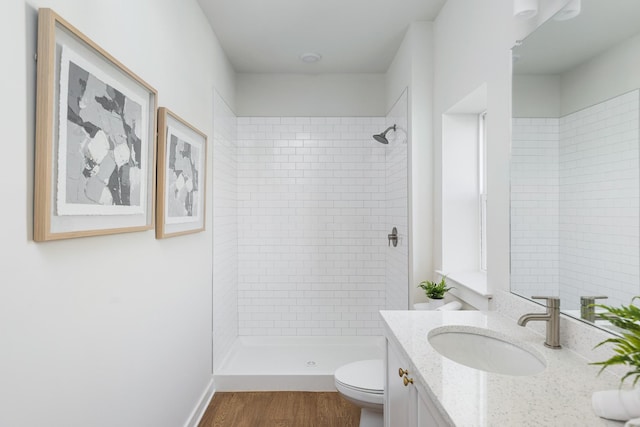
435	290
626	347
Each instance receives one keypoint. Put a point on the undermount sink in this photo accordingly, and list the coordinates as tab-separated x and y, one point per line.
486	350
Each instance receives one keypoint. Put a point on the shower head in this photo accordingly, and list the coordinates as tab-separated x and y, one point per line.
382	137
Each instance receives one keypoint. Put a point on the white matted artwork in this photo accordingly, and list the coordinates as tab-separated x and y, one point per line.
182	154
100	165
95	134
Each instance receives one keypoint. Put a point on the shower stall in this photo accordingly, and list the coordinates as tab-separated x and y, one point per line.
303	207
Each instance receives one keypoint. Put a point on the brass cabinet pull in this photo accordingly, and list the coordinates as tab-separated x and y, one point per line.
402	372
407	381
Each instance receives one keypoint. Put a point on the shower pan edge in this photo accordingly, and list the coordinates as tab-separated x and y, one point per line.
291	363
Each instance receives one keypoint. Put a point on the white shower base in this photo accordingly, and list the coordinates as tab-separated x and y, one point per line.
291	363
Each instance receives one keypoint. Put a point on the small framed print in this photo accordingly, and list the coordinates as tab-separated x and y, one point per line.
95	139
182	163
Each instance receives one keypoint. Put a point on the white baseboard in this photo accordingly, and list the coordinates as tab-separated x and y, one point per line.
201	407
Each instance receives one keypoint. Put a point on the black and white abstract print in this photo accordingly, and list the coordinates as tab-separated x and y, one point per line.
183	179
101	150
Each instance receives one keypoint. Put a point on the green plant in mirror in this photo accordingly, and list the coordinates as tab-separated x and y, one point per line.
435	290
626	347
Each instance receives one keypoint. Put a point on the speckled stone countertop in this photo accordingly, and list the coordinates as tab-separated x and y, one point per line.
558	396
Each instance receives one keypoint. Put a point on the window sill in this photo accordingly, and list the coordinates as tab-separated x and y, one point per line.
470	286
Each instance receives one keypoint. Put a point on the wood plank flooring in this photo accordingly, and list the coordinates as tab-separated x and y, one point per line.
280	409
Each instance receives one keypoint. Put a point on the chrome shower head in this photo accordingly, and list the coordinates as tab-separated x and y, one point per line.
382	137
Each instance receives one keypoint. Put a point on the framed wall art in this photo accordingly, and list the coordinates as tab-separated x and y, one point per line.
182	162
95	139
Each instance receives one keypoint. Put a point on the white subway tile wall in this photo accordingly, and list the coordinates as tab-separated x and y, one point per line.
397	258
225	230
599	201
312	225
534	207
594	246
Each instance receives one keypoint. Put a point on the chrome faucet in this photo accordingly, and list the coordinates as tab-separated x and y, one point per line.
552	317
588	309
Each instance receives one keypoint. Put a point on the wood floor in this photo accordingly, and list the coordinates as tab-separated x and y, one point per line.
280	409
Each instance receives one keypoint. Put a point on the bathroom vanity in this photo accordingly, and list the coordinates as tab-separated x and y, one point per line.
433	390
407	403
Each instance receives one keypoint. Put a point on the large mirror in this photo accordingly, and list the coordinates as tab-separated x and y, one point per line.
575	168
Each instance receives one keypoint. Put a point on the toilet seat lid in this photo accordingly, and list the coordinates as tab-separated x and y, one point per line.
364	375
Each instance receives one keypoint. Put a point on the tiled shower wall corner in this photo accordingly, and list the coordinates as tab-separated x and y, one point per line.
397	258
534	207
599	201
225	231
312	226
595	239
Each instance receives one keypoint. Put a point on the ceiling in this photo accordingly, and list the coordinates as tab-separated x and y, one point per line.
558	46
352	36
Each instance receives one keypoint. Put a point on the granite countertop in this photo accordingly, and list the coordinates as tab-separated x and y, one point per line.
558	396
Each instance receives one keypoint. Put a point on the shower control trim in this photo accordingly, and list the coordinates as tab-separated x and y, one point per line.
393	237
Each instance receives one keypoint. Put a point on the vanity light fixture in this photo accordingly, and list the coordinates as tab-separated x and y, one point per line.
525	9
310	57
571	10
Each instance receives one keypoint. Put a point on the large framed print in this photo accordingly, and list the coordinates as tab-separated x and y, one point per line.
95	139
182	173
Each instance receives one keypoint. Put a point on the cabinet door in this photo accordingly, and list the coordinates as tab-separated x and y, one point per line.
428	415
400	399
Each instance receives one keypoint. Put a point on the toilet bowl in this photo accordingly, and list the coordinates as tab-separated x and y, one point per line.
362	383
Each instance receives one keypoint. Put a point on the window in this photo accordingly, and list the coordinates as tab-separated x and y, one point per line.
464	193
482	188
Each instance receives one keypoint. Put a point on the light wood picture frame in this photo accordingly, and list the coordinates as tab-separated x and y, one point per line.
95	139
182	177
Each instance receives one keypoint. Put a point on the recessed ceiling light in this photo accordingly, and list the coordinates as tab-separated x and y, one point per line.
310	57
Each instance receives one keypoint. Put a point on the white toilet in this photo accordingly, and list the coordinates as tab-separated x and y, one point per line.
362	383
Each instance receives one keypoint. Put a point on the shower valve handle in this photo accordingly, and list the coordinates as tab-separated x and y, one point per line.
393	237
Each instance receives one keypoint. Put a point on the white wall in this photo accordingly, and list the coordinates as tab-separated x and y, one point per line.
472	42
311	95
536	95
412	68
610	74
396	204
225	229
312	225
127	343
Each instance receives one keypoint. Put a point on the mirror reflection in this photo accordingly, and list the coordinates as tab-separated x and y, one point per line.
575	172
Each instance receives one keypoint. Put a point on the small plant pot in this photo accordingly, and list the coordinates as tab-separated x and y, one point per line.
432	304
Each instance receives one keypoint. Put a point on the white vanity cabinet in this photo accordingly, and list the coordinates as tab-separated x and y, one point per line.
427	413
400	406
405	405
447	393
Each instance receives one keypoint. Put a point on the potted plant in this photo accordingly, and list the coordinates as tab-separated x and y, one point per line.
621	404
435	292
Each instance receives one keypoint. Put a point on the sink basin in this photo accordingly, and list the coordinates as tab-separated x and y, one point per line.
486	350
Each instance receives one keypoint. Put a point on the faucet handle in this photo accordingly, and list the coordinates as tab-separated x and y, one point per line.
588	300
552	302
